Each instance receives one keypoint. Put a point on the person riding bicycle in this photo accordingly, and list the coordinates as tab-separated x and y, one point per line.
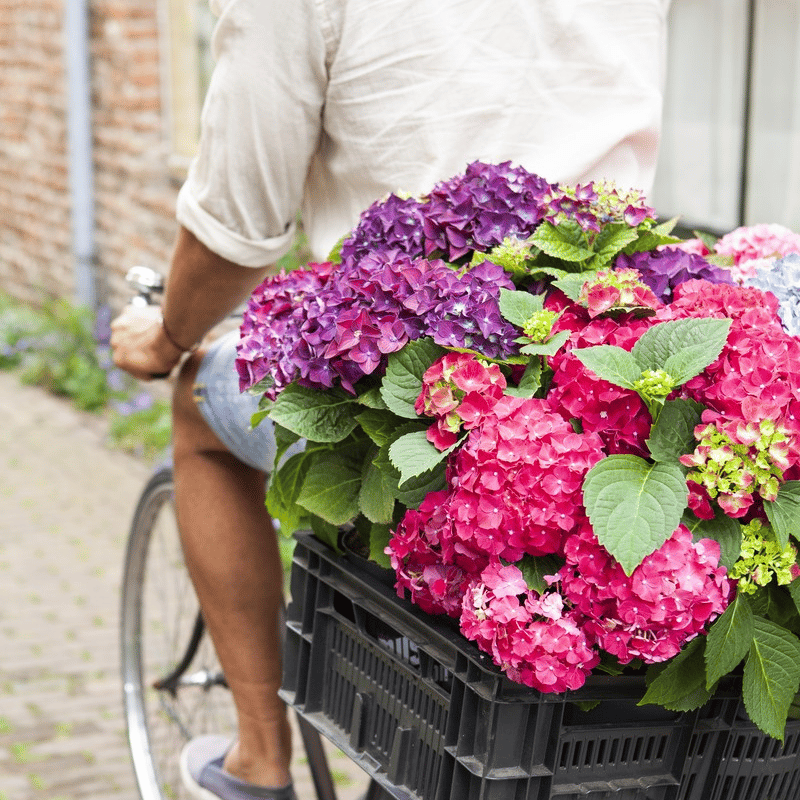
323	107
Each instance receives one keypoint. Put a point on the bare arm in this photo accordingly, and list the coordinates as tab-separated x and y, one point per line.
202	289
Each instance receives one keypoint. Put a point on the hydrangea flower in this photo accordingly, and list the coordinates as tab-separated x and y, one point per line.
391	224
458	389
748	246
618	416
669	599
735	460
327	326
662	270
616	290
594	205
528	635
481	208
415	552
516	482
762	559
781	277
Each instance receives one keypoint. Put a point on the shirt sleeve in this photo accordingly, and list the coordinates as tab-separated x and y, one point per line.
260	127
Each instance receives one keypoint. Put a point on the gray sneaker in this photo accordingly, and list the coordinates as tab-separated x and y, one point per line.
204	778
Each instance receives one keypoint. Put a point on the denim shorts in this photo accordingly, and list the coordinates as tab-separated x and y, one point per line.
228	411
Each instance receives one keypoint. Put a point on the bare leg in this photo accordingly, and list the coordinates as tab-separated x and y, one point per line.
233	559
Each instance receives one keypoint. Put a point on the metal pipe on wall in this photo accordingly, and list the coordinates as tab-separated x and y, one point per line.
79	149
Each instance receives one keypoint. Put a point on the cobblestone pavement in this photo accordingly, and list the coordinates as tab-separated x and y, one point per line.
65	503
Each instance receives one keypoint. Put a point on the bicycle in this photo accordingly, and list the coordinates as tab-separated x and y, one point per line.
173	686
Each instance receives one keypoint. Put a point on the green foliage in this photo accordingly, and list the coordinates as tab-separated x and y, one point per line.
678	684
146	431
64	359
634	506
54	347
314	414
403	381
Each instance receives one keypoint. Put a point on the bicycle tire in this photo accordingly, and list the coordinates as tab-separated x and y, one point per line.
154	640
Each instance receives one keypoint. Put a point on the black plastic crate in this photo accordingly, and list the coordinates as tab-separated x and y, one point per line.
428	715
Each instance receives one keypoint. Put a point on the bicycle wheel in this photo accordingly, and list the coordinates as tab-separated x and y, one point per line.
161	630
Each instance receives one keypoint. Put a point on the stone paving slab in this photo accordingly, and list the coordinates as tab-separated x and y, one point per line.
66	501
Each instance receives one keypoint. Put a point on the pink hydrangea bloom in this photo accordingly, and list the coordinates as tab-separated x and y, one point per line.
416	556
616	290
695	246
618	416
750	246
526	634
668	600
516	482
458	389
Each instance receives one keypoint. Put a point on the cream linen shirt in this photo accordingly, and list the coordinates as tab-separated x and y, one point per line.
328	105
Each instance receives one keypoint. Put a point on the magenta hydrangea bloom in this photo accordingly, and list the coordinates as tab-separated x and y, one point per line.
669	599
415	553
516	482
618	416
534	640
458	390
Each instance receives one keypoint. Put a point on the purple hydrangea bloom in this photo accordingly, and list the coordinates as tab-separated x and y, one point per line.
391	224
326	326
662	270
477	210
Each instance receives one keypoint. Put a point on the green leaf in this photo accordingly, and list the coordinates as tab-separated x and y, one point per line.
610	241
784	512
665	228
548	348
320	416
284	489
611	363
412	455
771	676
376	498
794	592
326	532
534	568
679	685
530	382
672	434
379	536
403	380
332	487
729	639
413	491
681	347
708	239
722	529
518	307
550	272
650	240
371	398
634	507
572	284
379	425
284	439
555	242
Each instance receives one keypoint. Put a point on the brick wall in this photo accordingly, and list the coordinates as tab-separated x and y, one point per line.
134	192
